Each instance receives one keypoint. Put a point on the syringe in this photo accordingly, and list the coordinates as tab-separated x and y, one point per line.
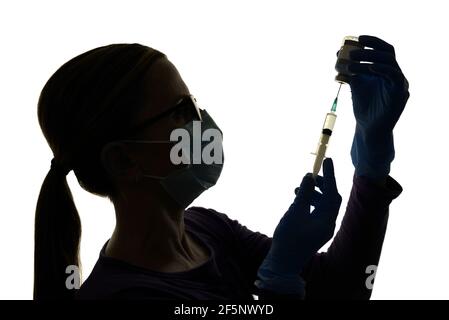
326	133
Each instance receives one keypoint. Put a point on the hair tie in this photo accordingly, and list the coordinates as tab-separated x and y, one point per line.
58	168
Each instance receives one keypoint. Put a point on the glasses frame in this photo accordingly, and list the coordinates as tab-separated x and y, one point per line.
188	99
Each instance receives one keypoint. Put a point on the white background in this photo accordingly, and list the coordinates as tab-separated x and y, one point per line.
264	71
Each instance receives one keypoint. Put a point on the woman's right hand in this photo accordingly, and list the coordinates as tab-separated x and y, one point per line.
301	233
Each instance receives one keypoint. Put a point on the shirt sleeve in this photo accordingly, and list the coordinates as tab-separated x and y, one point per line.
343	271
252	248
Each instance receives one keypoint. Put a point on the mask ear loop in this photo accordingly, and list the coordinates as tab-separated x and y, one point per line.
153	177
138	176
162	178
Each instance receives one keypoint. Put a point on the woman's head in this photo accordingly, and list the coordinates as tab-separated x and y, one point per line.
89	103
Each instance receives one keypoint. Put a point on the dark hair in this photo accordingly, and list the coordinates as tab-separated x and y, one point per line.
88	102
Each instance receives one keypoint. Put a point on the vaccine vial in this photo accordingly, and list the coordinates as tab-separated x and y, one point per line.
349	44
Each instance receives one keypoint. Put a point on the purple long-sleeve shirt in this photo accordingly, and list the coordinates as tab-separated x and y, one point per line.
237	252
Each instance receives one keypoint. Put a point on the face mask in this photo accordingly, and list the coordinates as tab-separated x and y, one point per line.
186	184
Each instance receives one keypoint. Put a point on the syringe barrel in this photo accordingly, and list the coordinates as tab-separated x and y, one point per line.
329	121
323	143
320	153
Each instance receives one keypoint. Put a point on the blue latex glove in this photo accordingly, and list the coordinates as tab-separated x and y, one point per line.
301	233
379	94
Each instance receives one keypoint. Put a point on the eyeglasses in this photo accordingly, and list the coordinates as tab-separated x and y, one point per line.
186	107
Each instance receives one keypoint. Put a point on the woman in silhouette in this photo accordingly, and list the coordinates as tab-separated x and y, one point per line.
109	115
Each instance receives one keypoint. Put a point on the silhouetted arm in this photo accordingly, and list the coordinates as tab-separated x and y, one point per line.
341	272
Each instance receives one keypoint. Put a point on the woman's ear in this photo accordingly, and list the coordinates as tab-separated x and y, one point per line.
116	160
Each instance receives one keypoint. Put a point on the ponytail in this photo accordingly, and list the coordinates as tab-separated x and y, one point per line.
89	101
57	237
